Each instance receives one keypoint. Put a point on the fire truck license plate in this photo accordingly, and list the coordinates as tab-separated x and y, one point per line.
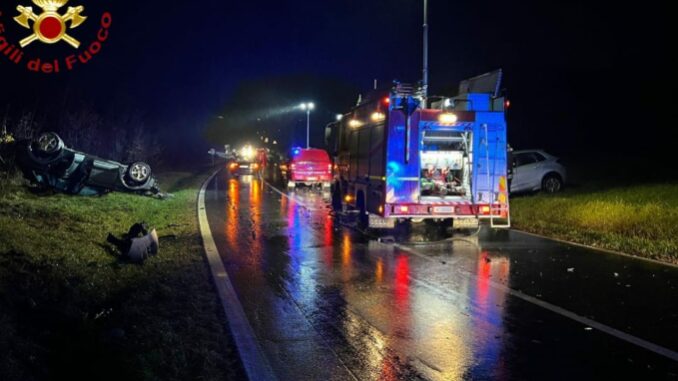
312	179
443	210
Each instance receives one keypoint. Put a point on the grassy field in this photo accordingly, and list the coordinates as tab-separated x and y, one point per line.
71	309
639	220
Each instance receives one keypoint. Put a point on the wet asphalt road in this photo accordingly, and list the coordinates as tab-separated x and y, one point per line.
329	303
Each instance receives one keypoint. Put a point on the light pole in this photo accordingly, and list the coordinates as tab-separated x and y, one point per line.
425	73
308	107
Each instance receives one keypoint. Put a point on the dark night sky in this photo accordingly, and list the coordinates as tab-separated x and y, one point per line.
580	74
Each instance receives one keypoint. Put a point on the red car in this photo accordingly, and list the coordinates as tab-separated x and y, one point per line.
310	167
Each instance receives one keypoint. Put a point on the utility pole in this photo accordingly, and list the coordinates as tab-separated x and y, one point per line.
425	73
308	128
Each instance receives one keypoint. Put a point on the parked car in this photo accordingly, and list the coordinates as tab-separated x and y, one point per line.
309	167
536	170
47	161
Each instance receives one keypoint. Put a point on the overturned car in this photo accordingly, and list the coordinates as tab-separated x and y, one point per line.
47	162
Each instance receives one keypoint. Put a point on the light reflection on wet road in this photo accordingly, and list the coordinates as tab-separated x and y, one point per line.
327	303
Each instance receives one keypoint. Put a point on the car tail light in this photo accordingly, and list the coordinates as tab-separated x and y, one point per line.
233	165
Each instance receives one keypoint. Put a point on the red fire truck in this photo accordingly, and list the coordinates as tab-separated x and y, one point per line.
400	156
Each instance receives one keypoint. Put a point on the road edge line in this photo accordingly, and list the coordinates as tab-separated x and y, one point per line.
251	354
594	248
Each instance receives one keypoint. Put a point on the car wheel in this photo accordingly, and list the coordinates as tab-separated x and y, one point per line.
49	143
552	184
139	172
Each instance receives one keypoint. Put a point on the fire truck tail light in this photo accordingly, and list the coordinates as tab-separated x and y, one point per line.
485	209
404	209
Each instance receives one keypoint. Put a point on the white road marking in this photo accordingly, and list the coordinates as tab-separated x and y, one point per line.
658	349
293	198
253	359
538	302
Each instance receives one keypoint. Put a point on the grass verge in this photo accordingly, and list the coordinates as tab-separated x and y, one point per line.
639	220
71	309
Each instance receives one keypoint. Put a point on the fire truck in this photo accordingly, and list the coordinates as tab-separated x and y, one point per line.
401	156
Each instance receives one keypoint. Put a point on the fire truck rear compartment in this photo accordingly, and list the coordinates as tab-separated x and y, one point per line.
445	166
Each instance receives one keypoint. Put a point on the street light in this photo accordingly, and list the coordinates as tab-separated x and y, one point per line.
308	107
339	117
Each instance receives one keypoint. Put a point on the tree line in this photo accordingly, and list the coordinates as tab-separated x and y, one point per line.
123	137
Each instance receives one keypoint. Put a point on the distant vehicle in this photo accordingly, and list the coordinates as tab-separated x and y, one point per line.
241	167
536	170
400	156
245	162
48	162
309	167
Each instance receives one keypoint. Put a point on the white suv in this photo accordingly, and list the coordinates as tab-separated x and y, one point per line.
536	170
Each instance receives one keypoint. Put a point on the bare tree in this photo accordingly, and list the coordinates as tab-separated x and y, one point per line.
134	140
26	127
82	129
136	148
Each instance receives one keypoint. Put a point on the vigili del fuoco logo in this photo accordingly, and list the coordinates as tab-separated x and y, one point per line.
48	23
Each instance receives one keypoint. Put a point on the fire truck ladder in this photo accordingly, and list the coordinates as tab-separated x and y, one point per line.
494	209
